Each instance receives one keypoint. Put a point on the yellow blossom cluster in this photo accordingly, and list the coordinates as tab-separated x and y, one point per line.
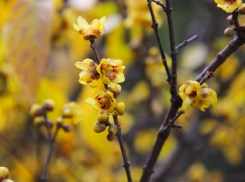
192	93
109	71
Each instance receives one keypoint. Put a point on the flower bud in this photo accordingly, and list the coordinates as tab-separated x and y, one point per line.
102	116
4	173
120	108
116	92
67	128
50	124
241	10
36	110
7	180
110	137
112	130
229	32
48	105
59	121
39	121
230	20
67	113
99	127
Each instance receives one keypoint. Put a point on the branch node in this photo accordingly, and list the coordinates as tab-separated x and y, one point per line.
207	76
148	171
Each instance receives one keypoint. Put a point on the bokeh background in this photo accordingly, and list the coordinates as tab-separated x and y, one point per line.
38	50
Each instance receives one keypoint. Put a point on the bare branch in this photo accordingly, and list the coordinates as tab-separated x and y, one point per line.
207	76
186	42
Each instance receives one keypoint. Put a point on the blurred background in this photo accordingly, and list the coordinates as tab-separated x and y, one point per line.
39	48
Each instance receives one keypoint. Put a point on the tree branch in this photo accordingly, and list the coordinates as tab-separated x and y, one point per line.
206	77
155	28
126	164
186	42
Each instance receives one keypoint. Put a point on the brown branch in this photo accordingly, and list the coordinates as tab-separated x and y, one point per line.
119	135
126	164
207	76
238	28
155	28
186	42
176	101
51	146
160	4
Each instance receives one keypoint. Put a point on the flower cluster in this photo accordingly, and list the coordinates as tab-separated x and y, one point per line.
192	93
110	72
4	174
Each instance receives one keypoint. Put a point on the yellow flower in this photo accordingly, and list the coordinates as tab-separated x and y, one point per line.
190	92
228	5
103	101
209	97
88	75
95	30
111	72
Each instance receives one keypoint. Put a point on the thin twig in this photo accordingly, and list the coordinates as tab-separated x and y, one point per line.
126	164
160	4
51	146
238	28
186	42
155	28
171	122
119	135
207	76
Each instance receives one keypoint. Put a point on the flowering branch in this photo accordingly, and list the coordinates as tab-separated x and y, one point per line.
155	27
126	164
176	101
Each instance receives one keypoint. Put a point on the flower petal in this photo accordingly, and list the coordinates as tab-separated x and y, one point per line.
76	27
95	25
82	22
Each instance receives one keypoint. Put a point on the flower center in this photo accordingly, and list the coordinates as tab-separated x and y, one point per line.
193	94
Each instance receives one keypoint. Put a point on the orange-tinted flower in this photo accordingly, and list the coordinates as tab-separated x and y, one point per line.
88	76
228	5
95	30
111	72
103	101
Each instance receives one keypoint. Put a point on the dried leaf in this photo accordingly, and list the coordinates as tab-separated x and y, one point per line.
26	39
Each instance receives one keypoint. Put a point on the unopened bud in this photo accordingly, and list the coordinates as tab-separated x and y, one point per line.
48	105
50	124
4	173
36	110
7	180
67	128
230	20
116	92
39	121
110	137
67	113
102	116
120	108
241	10
99	127
229	32
59	121
112	129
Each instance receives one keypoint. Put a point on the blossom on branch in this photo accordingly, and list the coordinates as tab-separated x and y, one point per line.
111	72
103	101
192	93
228	5
86	31
88	76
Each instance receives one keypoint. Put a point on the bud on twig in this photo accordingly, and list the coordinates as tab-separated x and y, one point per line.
120	108
230	20
110	137
59	121
99	127
229	32
112	130
4	173
102	116
36	110
67	128
49	105
39	121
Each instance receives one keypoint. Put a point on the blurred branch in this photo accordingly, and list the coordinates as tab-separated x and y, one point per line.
186	42
160	4
93	46
238	28
51	146
155	28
